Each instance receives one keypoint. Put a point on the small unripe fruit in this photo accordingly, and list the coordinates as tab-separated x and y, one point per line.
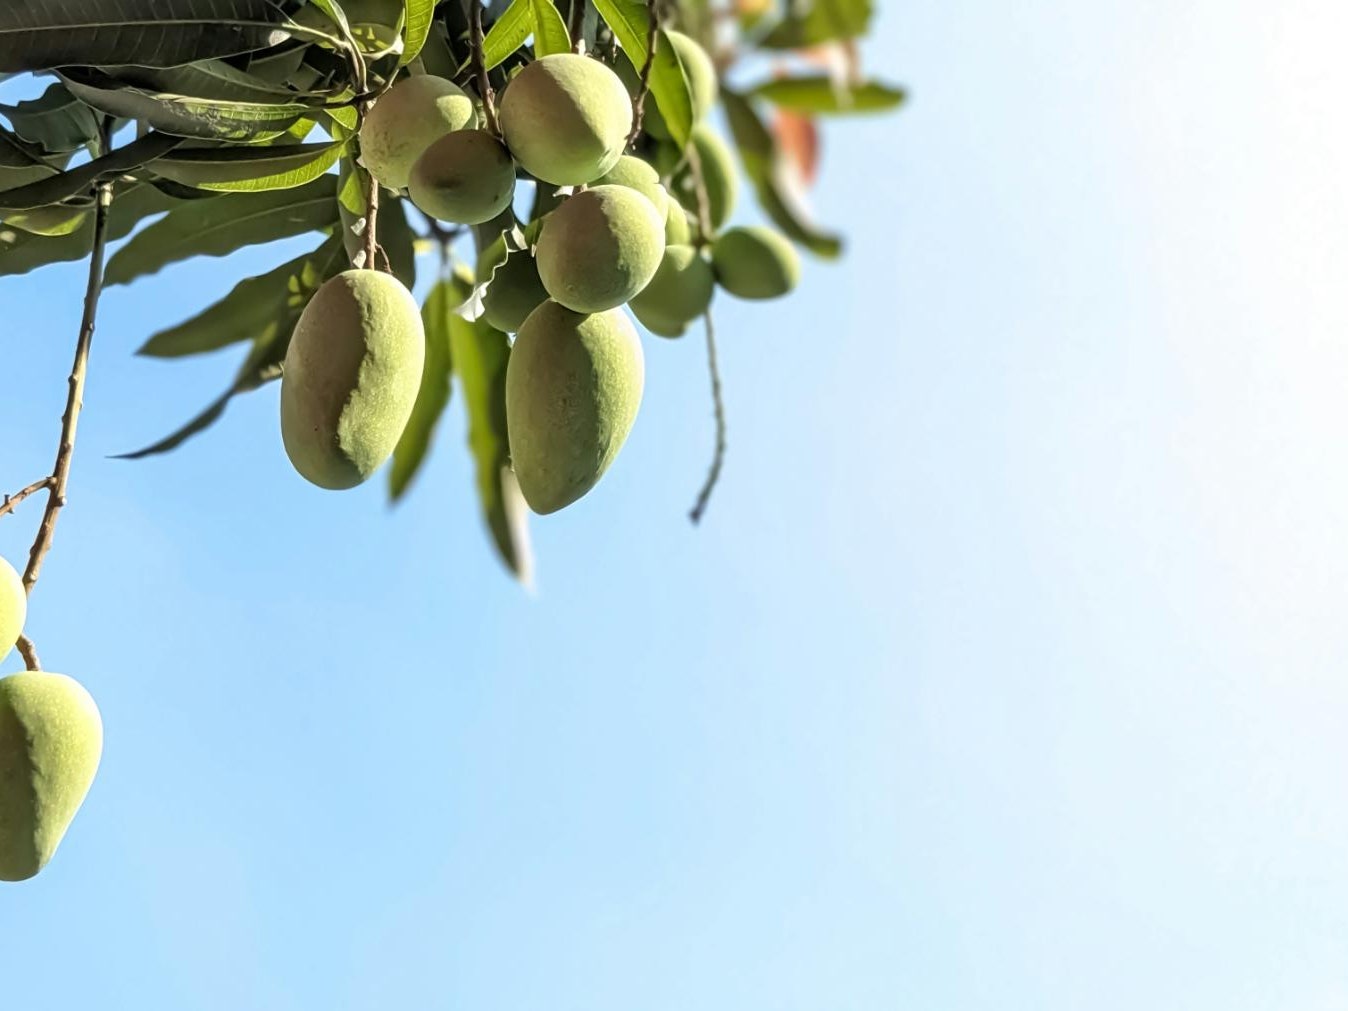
755	262
51	739
513	286
573	386
637	175
351	377
678	230
466	177
600	248
566	118
412	115
680	291
659	325
13	607
718	173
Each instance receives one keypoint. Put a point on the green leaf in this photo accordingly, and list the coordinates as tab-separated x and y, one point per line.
220	226
822	21
395	235
57	121
249	169
550	34
54	189
823	96
132	203
417	18
252	306
480	355
509	32
185	115
20	162
669	82
211	80
41	34
763	165
437	313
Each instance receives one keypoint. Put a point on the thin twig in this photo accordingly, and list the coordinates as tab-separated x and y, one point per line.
11	502
576	26
60	475
371	221
718	458
643	92
704	226
480	67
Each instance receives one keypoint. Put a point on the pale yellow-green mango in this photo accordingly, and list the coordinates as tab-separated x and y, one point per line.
637	175
659	325
755	262
513	287
566	118
351	376
680	291
678	229
718	172
573	386
600	248
13	607
51	739
466	177
407	119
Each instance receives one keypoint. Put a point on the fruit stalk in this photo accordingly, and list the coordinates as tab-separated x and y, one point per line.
644	88
718	457
480	68
60	475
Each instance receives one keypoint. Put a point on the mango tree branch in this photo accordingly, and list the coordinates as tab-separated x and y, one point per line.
11	502
480	68
60	475
644	90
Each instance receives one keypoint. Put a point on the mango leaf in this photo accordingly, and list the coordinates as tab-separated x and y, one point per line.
436	313
417	18
509	32
210	80
54	189
40	34
550	34
821	21
249	169
822	95
220	226
21	162
763	165
132	202
57	121
49	221
395	235
480	355
252	306
184	115
669	83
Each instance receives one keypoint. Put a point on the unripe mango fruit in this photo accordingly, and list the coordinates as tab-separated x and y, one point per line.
600	248
637	175
573	386
51	739
514	289
680	292
351	377
566	118
718	173
466	177
13	607
755	262
407	119
678	229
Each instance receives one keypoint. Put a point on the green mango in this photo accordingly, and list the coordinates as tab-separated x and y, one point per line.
51	739
566	118
679	293
573	387
637	175
465	177
755	262
718	172
513	286
600	248
351	377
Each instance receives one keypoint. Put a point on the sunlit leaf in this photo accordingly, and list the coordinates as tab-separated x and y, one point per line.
249	169
820	21
631	26
822	95
510	31
549	29
417	18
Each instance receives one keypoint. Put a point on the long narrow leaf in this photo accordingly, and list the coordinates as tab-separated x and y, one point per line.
437	313
249	169
54	189
550	34
509	32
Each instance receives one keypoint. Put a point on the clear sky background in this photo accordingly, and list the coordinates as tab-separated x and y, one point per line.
1008	670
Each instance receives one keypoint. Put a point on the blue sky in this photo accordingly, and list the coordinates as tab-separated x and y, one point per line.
1006	672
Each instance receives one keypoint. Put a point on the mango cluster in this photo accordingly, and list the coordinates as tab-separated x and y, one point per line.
51	740
610	227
